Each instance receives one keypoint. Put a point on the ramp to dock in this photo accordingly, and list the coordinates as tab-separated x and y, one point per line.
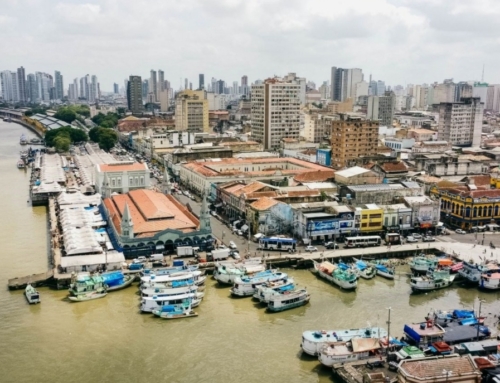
34	279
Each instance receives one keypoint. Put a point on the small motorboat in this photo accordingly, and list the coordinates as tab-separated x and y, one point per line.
21	164
87	297
32	294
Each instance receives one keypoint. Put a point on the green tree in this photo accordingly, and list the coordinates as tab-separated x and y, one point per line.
107	139
94	134
62	143
78	135
66	115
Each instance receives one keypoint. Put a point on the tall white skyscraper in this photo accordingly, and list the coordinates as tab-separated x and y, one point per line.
8	81
44	84
153	85
343	83
58	85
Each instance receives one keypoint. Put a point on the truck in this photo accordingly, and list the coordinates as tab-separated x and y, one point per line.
217	255
187	251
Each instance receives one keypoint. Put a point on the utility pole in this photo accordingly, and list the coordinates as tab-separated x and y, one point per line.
389	330
478	316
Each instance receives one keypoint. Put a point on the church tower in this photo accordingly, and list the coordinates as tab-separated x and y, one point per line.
105	192
167	187
205	214
127	224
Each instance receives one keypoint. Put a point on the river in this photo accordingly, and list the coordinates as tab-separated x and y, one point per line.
232	340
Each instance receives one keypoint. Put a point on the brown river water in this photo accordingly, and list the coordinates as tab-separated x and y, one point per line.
232	340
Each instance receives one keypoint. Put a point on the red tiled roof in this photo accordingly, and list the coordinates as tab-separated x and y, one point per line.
317	176
395	167
118	167
263	203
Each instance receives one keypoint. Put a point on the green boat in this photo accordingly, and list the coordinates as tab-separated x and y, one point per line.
86	286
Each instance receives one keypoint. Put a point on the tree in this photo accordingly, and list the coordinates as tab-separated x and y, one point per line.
72	134
62	143
78	135
94	134
107	139
66	115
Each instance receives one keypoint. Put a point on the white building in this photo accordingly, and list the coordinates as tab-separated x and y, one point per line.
121	177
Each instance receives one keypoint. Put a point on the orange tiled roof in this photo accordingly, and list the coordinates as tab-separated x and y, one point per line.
394	166
257	195
317	176
433	368
251	187
263	203
122	167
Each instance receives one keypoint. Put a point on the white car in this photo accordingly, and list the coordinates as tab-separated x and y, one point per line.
140	259
416	236
411	239
310	248
239	232
460	231
232	245
235	255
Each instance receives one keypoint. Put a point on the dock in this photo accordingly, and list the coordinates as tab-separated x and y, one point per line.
358	372
34	280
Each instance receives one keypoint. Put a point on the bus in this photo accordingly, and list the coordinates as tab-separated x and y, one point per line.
278	243
370	240
392	238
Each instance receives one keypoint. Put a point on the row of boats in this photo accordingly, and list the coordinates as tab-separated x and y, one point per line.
272	288
23	140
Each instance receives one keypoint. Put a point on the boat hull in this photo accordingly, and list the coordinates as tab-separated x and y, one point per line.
127	283
87	297
342	284
177	316
385	275
289	306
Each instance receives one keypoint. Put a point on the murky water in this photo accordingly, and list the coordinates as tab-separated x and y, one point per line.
232	340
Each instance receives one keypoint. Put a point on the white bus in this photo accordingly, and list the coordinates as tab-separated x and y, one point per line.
278	243
369	240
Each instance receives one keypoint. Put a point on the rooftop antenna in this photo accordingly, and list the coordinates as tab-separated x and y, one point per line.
482	75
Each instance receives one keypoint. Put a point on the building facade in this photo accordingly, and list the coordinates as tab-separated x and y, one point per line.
460	123
191	111
134	94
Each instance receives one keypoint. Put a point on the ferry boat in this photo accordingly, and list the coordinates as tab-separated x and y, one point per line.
116	280
490	280
341	352
148	304
287	300
471	273
178	311
227	272
24	154
385	271
31	294
85	287
23	140
422	264
313	340
346	280
196	276
174	282
364	270
21	164
246	286
169	270
167	292
265	291
432	280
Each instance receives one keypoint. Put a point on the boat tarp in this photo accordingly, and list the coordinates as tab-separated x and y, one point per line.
364	344
463	314
412	333
327	267
445	262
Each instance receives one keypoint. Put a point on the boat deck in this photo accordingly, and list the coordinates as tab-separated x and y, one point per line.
336	349
353	372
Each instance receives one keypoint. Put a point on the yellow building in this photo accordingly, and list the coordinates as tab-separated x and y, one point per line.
191	111
372	218
466	207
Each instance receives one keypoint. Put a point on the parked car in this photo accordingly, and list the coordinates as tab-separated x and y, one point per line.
213	213
239	232
416	236
411	239
310	248
428	238
140	259
460	231
235	254
232	245
331	245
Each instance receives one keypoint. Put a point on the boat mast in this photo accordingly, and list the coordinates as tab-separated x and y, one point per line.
389	329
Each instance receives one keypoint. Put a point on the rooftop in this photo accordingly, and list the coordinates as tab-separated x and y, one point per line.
122	167
443	368
263	203
351	172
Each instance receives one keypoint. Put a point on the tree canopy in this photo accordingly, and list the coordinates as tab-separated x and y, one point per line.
109	120
106	138
70	112
62	138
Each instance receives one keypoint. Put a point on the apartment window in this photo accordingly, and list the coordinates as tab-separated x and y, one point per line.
131	181
113	182
119	181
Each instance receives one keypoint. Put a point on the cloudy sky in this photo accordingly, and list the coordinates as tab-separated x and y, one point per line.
398	41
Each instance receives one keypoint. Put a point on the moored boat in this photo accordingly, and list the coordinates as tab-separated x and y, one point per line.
116	280
313	340
246	286
87	297
287	300
23	140
265	291
153	280
178	311
471	273
31	294
365	270
341	352
21	164
169	270
422	264
490	281
148	304
346	280
85	287
227	272
432	280
166	292
385	271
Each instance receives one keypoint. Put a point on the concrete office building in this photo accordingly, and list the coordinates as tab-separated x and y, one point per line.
460	123
134	94
352	137
191	111
343	83
275	111
381	108
58	85
21	84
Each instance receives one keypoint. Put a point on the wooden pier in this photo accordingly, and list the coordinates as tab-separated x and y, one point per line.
358	372
34	279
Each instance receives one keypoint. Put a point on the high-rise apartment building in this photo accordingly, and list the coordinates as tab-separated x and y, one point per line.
462	90
58	86
93	93
164	100
134	94
460	123
219	87
161	84
31	88
115	88
145	89
352	137
201	81
191	111
21	84
343	83
9	84
185	83
381	108
45	83
275	112
153	84
444	92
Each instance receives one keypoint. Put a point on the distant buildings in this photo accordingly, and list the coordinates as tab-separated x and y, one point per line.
381	108
343	83
201	81
275	111
191	111
134	94
58	85
460	123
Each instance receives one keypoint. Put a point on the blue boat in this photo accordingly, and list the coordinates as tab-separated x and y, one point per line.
267	289
364	270
384	271
116	280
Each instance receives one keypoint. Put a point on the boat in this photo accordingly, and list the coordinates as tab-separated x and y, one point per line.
23	140
312	340
183	310
174	282
158	280
422	264
166	292
116	280
148	304
471	272
350	351
35	140
168	270
24	154
490	280
246	286
385	271
264	291
432	280
286	300
227	272
21	164
364	270
31	294
345	279
85	286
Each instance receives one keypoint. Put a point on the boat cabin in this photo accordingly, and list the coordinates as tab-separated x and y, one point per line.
423	334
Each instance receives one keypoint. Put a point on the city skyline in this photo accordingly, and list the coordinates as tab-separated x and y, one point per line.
399	42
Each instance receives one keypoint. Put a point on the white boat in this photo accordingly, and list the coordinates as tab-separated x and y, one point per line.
227	272
422	264
87	297
148	304
385	271
169	291
21	164
170	280
179	311
472	272
350	351
432	280
287	300
246	286
490	281
365	270
23	140
32	294
169	270
345	279
35	140
313	340
265	291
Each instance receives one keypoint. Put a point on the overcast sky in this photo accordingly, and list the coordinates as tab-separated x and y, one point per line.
398	41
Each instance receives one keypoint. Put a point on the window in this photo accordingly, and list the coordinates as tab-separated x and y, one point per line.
131	181
142	181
